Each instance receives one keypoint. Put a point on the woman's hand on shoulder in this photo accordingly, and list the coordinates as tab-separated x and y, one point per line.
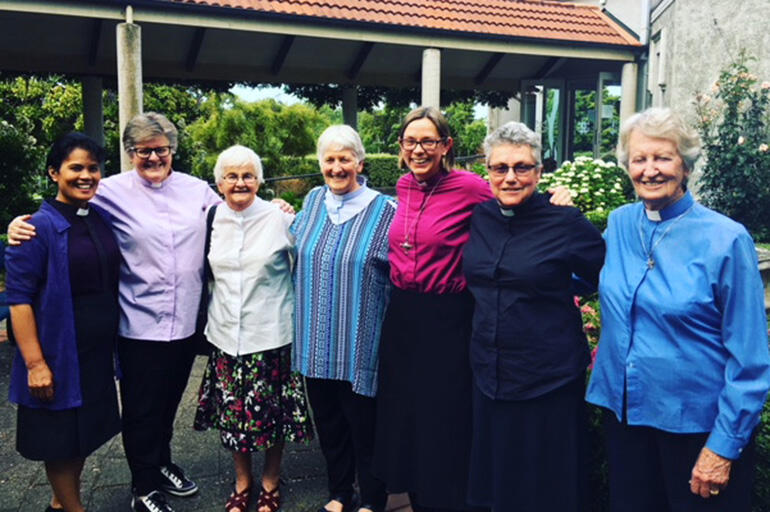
710	474
19	230
561	196
283	205
40	381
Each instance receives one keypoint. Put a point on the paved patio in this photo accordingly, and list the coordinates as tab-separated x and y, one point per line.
106	479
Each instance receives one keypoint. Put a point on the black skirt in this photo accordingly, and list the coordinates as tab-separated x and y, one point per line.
44	434
530	454
423	435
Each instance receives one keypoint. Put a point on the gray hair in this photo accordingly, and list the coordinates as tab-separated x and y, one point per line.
340	137
146	126
515	134
662	123
237	156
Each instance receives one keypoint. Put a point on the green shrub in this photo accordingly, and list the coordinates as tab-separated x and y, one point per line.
594	184
735	128
382	170
598	218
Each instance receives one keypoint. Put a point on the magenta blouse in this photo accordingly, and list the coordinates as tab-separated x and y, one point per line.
430	228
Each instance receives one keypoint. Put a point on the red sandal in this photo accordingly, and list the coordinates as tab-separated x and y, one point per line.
269	499
239	500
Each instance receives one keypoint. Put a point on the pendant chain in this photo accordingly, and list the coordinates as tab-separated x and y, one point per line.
650	260
405	244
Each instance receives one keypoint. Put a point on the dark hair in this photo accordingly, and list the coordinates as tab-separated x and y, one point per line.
66	144
442	127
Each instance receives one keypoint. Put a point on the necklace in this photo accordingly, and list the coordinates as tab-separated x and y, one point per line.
405	245
650	260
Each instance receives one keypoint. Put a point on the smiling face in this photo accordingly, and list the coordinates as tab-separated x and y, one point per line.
424	163
656	170
77	177
153	168
512	189
340	169
239	185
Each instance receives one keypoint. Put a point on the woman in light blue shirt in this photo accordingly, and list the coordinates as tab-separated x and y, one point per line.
683	367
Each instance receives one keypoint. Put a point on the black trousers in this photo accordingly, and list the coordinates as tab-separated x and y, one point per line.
155	374
345	423
650	469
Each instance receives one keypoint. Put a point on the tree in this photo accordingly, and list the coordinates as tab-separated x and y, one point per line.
271	129
34	111
373	97
379	128
468	133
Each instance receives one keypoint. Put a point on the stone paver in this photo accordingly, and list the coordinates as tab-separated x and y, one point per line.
106	479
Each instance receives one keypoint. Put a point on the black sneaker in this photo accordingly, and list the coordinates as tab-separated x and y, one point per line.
174	481
153	502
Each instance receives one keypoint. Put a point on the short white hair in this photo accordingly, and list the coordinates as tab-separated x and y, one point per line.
340	137
237	156
661	123
515	134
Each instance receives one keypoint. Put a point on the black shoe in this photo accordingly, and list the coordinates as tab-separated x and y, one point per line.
174	481
153	502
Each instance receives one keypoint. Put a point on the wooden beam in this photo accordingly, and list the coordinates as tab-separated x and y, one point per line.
550	67
93	41
493	61
283	52
195	48
363	54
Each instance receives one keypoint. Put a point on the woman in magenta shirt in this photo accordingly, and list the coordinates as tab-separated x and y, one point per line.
424	390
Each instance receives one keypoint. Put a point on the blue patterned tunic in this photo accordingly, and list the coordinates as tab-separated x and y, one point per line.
342	287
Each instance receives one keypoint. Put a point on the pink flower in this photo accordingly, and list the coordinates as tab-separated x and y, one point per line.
593	357
589	326
577	301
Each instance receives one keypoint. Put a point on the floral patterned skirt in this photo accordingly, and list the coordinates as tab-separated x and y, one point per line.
254	400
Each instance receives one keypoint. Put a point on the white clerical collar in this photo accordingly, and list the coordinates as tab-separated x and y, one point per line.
343	207
653	215
82	212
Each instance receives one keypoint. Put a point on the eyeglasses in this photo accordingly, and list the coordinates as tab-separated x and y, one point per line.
232	179
160	151
518	169
427	144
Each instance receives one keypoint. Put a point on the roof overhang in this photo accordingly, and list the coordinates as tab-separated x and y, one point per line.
187	42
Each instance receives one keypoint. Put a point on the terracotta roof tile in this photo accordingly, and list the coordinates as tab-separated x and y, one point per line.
512	18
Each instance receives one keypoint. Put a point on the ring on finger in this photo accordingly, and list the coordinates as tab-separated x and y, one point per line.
714	492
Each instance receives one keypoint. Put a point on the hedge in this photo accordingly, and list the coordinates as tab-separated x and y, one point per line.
381	171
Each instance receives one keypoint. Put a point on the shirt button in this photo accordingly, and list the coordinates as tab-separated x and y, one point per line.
630	365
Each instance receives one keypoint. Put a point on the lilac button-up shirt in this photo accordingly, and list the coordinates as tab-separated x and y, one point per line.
161	232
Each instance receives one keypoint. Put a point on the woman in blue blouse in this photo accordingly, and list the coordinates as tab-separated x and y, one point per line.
528	351
683	367
62	289
342	286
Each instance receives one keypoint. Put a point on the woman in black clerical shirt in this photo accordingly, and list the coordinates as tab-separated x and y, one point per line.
62	289
528	350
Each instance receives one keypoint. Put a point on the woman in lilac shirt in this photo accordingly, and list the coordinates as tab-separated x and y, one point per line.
424	397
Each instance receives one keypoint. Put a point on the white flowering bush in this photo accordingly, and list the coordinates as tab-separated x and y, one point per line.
595	185
734	123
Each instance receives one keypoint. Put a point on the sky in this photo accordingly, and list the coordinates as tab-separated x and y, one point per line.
263	93
276	93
